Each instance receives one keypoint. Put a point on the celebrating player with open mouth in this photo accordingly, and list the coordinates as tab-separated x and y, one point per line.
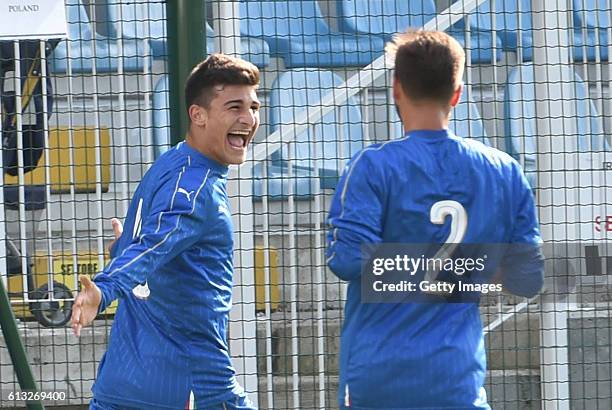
172	267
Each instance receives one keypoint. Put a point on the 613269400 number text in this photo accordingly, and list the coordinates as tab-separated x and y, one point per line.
34	396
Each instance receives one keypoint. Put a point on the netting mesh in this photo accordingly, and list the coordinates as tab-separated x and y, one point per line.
84	117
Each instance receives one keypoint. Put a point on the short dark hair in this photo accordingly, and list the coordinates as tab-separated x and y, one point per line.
217	69
428	64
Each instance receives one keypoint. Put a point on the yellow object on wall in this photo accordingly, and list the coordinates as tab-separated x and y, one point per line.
260	284
84	158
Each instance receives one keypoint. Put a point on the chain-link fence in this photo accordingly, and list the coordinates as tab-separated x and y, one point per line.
84	117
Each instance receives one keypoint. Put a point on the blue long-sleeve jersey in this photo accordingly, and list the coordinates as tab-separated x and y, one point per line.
411	355
172	272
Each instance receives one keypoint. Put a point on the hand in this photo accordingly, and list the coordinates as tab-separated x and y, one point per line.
118	229
86	304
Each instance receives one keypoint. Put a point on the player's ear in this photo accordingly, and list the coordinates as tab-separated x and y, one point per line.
398	92
456	95
198	115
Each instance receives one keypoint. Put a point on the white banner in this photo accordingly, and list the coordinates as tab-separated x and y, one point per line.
32	19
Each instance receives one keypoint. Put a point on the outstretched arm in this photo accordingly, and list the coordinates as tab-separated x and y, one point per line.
175	222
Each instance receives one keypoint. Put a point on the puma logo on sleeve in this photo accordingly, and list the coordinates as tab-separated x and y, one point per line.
187	194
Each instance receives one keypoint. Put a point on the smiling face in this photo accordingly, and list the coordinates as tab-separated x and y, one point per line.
224	128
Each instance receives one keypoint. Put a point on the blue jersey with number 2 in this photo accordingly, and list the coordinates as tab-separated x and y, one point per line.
411	355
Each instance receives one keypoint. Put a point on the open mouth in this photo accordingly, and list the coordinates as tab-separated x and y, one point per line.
239	138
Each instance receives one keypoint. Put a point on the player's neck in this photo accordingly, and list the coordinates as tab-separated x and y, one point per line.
193	143
196	143
424	117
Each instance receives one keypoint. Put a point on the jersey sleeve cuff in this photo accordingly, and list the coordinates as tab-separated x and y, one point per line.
108	290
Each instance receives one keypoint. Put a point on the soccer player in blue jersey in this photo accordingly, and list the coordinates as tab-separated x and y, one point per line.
172	267
425	355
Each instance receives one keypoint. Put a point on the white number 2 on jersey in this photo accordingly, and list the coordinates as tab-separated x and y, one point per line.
459	220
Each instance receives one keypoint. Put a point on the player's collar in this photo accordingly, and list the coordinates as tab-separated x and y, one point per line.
203	159
430	135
